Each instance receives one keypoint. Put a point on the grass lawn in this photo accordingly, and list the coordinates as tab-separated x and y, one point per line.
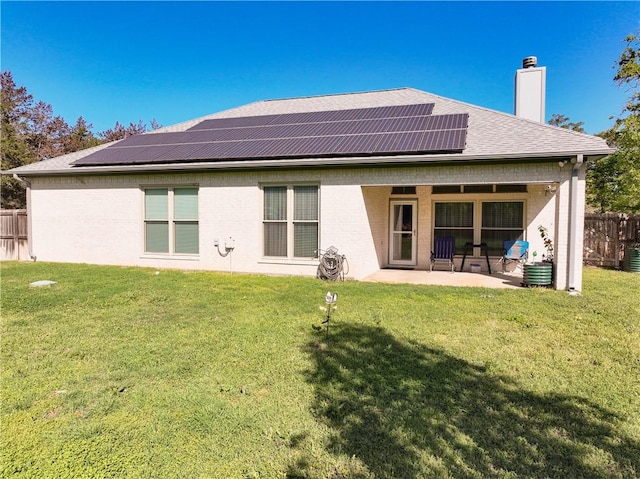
122	372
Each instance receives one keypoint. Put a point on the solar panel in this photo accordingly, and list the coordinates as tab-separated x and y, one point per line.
181	151
390	130
317	117
420	123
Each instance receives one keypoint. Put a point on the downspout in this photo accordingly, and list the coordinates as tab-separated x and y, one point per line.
29	217
577	162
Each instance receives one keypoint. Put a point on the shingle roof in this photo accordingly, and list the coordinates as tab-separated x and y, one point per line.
355	133
491	134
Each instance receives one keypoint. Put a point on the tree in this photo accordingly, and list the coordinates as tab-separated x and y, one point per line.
613	182
564	122
45	133
119	131
15	104
31	132
80	137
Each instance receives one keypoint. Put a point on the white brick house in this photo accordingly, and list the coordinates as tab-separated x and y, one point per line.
279	211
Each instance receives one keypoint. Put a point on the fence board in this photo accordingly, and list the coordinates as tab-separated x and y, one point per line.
14	243
606	235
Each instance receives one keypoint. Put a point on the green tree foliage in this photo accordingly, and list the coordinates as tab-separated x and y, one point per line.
45	134
564	122
80	137
119	131
613	183
31	132
15	104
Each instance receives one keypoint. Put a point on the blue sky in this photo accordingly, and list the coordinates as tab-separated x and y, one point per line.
174	61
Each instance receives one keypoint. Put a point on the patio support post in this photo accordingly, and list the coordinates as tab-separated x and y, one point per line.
578	162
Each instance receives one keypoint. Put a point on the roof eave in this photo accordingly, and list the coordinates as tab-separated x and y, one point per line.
314	162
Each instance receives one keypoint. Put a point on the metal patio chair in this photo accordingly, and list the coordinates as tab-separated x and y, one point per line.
444	249
514	252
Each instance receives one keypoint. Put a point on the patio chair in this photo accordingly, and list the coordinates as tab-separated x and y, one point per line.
444	249
514	252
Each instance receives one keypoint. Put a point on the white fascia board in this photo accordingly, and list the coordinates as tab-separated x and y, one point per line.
311	162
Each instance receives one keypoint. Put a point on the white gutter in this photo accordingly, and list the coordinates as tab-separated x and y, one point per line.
29	232
306	162
578	163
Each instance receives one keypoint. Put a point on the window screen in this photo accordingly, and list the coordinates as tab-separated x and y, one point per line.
454	219
156	212
403	190
501	221
185	202
171	220
444	189
297	230
511	188
275	220
275	203
305	221
478	188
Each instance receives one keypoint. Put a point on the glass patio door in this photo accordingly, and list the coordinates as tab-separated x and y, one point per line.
403	223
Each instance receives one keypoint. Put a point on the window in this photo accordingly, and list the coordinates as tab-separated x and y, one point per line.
478	188
446	189
511	188
501	221
484	188
455	219
290	221
498	221
171	220
403	190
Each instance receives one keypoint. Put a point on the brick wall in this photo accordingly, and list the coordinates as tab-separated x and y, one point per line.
99	219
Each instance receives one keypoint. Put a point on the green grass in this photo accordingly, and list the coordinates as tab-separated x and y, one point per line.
119	372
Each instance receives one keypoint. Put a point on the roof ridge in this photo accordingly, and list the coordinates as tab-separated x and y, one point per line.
194	121
508	115
326	95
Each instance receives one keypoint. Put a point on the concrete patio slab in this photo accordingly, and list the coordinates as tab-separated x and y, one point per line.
446	278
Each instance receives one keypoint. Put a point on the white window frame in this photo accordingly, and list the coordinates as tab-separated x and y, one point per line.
290	221
171	220
477	215
523	226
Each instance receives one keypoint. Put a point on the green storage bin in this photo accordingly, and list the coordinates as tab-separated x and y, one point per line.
537	274
631	261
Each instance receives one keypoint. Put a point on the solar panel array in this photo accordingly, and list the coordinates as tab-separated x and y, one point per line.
393	130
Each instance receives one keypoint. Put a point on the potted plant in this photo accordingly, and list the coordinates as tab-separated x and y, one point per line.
548	244
540	273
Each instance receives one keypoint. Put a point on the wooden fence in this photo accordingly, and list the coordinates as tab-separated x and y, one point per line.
606	236
13	235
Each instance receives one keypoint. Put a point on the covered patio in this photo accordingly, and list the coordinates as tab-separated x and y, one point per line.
405	221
